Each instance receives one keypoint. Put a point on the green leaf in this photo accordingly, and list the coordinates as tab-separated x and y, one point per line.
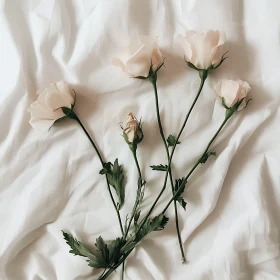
78	248
155	224
179	198
102	251
182	202
206	156
115	176
106	168
171	140
159	167
115	251
104	255
163	223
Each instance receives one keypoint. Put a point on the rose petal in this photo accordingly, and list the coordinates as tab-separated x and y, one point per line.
47	108
65	92
216	55
41	125
242	105
196	42
117	62
139	64
186	46
136	59
228	90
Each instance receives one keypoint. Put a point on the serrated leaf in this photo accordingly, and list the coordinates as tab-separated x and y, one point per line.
155	224
179	198
171	140
178	183
160	167
106	168
115	250
79	249
182	202
163	223
115	175
103	257
102	251
96	263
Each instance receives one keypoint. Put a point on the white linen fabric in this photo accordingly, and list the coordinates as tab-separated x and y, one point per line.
49	181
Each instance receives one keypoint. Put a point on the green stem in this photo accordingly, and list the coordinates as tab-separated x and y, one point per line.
203	78
74	116
198	162
176	193
122	273
153	80
133	149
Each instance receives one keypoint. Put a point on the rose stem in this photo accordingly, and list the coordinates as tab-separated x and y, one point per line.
102	163
133	150
153	80
198	162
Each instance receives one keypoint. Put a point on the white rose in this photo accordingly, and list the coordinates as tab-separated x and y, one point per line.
136	60
47	108
203	50
232	92
132	130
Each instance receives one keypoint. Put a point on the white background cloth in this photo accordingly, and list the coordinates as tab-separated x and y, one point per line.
50	181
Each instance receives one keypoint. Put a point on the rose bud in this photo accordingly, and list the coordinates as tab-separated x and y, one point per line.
141	59
233	94
204	51
53	103
132	131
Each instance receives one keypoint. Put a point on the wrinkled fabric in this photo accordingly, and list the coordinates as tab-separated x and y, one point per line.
49	181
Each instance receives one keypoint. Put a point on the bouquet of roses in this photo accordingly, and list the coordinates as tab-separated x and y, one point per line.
204	52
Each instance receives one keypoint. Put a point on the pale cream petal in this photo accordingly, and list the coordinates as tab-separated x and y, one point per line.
156	57
40	113
212	52
228	90
41	125
212	38
42	100
222	38
37	111
55	100
117	62
139	64
216	55
242	105
217	88
130	135
243	89
196	42
65	92
186	46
